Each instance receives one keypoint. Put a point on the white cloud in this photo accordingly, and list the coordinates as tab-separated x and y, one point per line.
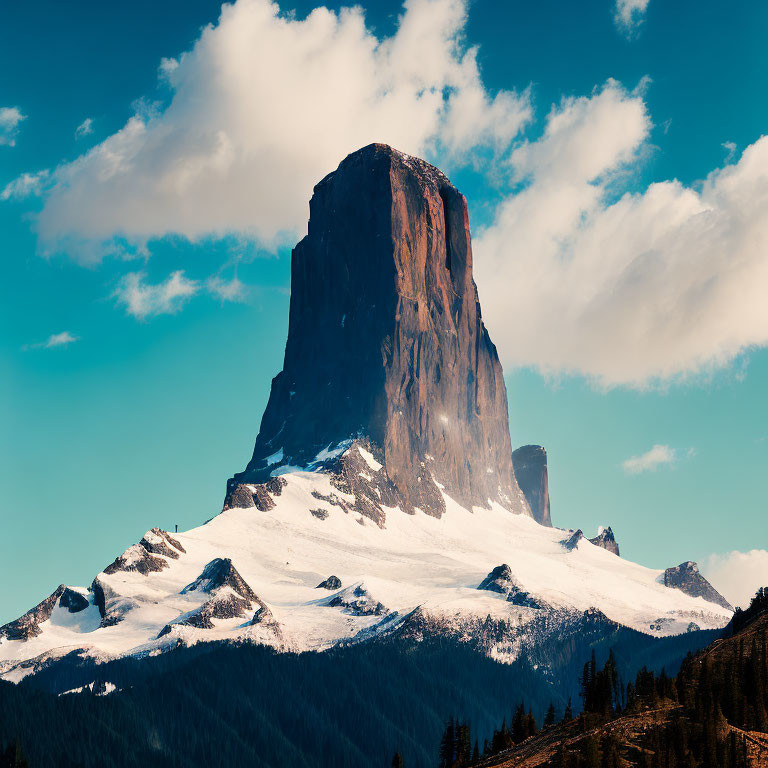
85	128
650	287
629	14
263	107
62	339
143	300
650	461
738	575
26	185
10	117
227	290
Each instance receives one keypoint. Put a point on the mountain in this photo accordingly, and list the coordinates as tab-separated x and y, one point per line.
381	493
385	331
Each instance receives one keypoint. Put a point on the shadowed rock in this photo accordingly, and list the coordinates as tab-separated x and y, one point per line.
573	540
530	465
332	582
386	343
606	540
28	625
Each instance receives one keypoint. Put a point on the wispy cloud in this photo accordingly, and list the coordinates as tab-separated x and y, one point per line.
142	299
738	575
26	185
85	128
629	15
63	339
10	118
650	461
227	290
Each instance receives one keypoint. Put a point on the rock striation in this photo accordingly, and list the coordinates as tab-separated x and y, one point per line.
687	578
606	539
386	344
530	465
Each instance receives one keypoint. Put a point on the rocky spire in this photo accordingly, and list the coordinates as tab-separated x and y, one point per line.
386	343
530	465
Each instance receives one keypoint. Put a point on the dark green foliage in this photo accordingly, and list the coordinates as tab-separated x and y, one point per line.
220	706
757	607
550	717
397	761
13	757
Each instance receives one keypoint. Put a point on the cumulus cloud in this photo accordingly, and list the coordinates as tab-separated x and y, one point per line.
142	299
10	118
261	108
632	290
650	461
629	14
738	575
62	339
84	129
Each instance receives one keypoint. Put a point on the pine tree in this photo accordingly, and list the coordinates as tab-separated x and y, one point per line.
549	718
568	714
448	746
397	761
476	753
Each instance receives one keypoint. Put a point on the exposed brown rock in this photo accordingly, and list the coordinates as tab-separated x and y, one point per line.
386	342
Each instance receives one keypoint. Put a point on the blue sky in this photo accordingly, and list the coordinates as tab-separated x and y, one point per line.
617	188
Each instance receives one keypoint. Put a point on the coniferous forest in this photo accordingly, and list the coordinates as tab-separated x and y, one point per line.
712	714
383	703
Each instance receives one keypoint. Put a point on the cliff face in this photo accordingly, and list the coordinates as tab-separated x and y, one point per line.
386	342
530	465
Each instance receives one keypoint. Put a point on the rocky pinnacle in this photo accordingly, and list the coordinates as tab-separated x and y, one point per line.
386	342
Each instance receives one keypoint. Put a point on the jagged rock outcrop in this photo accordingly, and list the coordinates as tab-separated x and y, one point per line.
146	556
573	540
220	573
28	625
687	578
386	343
606	539
230	597
357	601
530	465
501	580
332	583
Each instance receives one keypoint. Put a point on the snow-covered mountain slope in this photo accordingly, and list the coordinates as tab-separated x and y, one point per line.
254	575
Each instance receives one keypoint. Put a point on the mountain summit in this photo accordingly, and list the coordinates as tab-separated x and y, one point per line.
386	345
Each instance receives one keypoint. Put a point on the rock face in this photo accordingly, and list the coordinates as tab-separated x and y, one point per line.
28	625
501	580
530	465
230	597
687	578
386	342
573	540
606	540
